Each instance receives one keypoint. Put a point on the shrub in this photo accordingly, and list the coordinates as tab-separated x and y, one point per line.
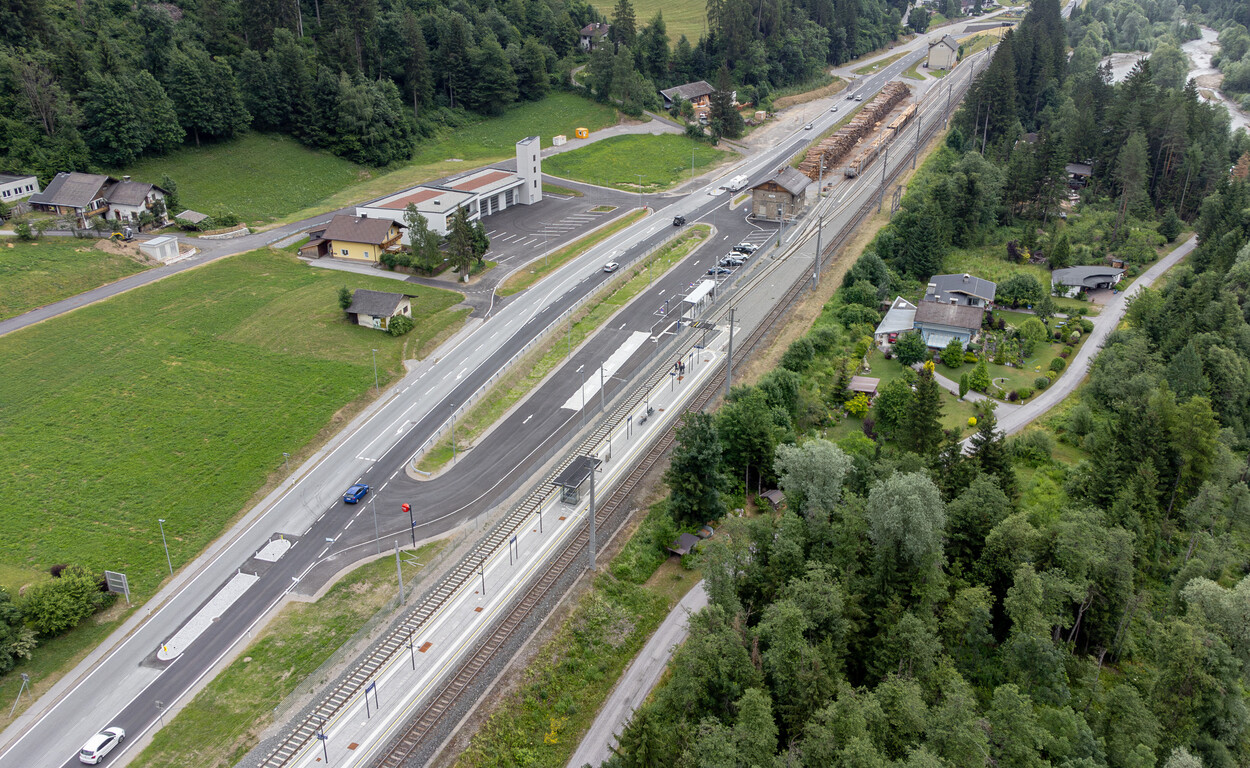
1087	326
224	217
1074	337
1057	364
953	354
857	406
1065	352
57	606
345	298
1051	375
1080	420
1013	396
870	428
1034	446
799	355
970	356
910	348
399	325
23	230
824	338
1025	392
1041	382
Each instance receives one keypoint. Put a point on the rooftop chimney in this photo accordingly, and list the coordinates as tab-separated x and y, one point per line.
966	276
954	300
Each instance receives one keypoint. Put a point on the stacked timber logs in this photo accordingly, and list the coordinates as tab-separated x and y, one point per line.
836	147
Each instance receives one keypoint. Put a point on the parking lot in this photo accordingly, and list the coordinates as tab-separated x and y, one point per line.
523	232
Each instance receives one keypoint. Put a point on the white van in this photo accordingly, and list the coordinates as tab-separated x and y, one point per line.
737	183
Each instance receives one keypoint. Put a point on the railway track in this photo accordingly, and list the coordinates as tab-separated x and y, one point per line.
416	741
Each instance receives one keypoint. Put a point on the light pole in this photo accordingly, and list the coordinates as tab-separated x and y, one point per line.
168	562
640	202
412	526
376	388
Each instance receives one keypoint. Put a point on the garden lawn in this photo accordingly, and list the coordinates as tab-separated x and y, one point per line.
990	263
955	412
177	400
615	162
258	176
223	722
33	274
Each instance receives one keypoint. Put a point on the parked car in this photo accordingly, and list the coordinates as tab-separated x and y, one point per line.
746	247
719	271
679	221
355	493
730	262
99	745
611	266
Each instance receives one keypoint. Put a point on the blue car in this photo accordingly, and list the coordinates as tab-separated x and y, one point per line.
355	493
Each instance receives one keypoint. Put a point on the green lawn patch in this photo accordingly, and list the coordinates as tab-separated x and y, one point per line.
879	65
530	371
223	722
663	161
176	400
527	276
682	17
912	74
556	189
955	412
477	142
603	209
989	262
258	176
33	274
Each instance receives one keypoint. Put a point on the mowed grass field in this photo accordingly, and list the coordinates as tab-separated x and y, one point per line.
663	161
259	176
176	401
681	17
33	274
269	178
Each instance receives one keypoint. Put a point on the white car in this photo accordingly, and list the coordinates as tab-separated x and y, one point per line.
807	127
611	266
835	108
100	745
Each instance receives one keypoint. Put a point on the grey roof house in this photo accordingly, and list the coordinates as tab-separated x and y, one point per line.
965	289
695	93
374	309
784	193
939	323
92	194
1071	281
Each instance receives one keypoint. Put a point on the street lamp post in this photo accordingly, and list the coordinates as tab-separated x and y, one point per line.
376	388
640	202
412	526
168	562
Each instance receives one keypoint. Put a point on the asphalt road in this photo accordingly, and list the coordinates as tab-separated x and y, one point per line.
126	682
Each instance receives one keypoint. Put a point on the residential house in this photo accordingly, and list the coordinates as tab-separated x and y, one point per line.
128	200
84	195
374	309
1079	174
482	192
594	35
900	318
965	289
783	194
355	238
1072	281
75	194
939	323
943	53
14	188
698	93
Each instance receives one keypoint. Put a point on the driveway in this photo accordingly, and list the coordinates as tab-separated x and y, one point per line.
1012	419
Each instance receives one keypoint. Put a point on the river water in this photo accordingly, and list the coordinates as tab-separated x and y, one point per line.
1207	77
